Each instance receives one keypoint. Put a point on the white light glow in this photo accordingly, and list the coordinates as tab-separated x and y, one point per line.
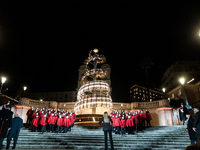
3	80
182	80
163	90
190	81
25	88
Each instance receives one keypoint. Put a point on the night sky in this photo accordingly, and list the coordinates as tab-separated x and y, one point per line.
42	45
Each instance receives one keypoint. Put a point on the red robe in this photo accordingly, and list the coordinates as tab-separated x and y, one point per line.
123	123
74	117
129	122
71	119
66	122
60	122
140	117
51	120
143	116
43	121
149	116
117	122
35	122
112	120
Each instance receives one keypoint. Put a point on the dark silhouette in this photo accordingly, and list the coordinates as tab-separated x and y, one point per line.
5	123
107	128
17	124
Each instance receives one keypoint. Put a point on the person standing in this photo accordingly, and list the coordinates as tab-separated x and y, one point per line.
107	129
35	123
51	122
191	132
66	123
182	113
5	123
59	124
148	118
17	124
196	127
43	123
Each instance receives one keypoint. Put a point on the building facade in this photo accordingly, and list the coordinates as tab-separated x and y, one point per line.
190	91
140	93
172	75
65	96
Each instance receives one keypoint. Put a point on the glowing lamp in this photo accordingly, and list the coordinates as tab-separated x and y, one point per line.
3	80
95	50
163	90
182	80
41	100
25	88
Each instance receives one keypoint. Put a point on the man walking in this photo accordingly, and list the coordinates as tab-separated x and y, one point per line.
17	124
196	127
5	123
182	113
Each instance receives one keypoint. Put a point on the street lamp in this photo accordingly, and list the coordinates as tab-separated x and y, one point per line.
3	80
182	80
25	88
164	90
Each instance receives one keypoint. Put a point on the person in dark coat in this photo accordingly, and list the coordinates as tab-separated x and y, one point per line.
107	128
17	124
196	127
191	132
5	123
182	113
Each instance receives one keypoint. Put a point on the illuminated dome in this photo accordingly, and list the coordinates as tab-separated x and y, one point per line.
93	96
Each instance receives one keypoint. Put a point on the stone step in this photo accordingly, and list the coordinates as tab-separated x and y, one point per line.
154	138
92	147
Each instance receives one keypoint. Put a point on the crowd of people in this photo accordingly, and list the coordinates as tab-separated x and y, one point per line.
9	127
46	120
129	122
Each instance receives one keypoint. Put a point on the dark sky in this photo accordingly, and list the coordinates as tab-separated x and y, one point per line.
42	44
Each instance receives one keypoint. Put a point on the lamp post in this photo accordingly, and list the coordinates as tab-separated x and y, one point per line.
3	80
182	80
25	88
164	90
121	118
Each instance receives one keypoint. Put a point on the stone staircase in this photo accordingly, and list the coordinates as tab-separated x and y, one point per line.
153	138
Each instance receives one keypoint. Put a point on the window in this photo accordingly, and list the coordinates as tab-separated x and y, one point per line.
133	96
136	89
130	91
144	95
139	93
136	92
138	97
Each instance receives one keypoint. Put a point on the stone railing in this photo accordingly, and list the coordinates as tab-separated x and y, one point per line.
147	105
37	104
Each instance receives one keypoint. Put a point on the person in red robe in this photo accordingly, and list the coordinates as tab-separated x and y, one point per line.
43	123
29	114
51	122
148	118
59	124
123	125
117	124
143	117
35	123
129	124
66	123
